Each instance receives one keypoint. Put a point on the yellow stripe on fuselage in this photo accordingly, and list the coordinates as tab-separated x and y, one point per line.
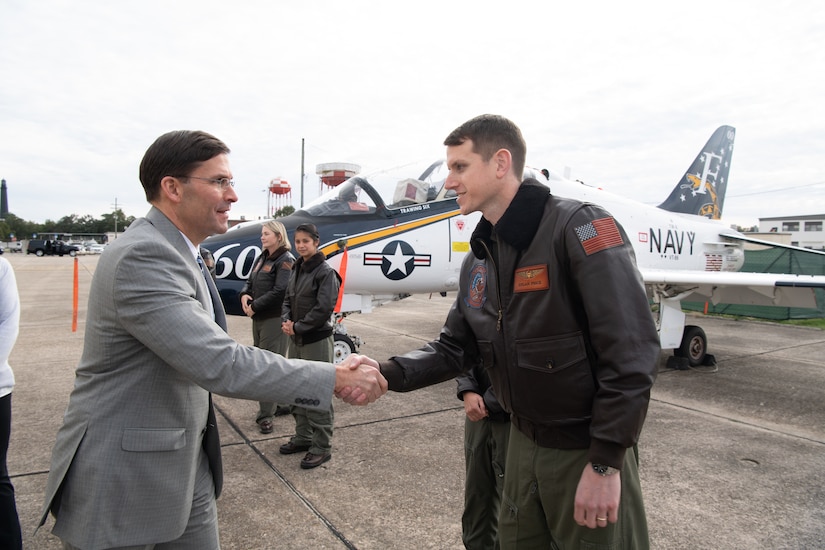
378	234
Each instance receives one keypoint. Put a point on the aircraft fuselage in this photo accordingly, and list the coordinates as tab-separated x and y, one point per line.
419	248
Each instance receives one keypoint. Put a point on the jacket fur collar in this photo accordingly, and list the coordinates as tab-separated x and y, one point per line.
310	265
280	251
520	221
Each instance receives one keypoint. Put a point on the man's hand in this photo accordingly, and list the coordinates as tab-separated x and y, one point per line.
288	327
597	498
474	406
358	380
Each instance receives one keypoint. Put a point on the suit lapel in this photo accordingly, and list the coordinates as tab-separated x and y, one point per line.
211	438
175	238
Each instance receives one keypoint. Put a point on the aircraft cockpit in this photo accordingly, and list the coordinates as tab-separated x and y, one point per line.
354	196
385	191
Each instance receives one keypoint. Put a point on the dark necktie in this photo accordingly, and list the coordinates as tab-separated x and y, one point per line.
217	306
211	437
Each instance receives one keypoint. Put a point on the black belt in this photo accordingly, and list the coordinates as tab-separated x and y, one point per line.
572	435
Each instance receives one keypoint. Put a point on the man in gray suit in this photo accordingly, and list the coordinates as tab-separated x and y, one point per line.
137	461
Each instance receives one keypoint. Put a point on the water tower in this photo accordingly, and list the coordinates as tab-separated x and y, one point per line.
336	173
283	194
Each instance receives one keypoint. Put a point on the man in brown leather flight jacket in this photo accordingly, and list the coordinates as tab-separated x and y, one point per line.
552	303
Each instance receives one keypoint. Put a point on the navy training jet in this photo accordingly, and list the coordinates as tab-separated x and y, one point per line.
400	232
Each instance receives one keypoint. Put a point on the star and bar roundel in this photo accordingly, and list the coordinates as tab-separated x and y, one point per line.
397	260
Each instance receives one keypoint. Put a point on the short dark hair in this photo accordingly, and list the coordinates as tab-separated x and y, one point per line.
310	229
176	153
489	133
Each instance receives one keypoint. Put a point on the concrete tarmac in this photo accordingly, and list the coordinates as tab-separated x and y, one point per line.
732	457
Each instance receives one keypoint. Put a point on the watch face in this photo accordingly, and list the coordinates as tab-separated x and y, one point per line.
601	469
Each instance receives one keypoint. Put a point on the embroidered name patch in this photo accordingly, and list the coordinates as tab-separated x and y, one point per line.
599	235
530	278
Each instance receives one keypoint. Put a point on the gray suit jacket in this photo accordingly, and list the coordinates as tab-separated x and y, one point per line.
124	463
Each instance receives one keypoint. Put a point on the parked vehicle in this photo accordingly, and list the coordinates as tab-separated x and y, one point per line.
41	247
12	246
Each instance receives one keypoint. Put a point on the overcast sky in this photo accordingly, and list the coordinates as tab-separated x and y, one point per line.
622	93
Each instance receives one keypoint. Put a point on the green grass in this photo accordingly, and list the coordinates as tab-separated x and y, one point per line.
816	323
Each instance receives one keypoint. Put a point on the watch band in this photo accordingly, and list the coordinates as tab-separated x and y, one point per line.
603	470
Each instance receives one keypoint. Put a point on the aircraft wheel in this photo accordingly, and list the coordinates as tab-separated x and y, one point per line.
694	345
342	347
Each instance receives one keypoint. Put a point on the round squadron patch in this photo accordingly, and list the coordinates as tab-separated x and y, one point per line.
477	291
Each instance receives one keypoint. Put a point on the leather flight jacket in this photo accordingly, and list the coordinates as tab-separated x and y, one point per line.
551	302
267	282
310	299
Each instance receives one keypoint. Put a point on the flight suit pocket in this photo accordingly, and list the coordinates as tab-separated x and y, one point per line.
144	440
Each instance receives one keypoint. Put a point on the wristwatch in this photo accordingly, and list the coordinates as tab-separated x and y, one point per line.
603	470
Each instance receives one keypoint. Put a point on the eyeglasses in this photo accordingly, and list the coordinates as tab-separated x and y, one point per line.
223	183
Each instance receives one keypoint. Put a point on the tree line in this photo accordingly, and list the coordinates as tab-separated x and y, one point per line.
73	224
20	229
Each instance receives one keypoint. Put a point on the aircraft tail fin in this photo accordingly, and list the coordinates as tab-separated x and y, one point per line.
701	190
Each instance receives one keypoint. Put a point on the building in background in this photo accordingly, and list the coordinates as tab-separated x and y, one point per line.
805	231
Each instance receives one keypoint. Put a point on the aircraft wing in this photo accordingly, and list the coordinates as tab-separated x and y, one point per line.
736	287
746	239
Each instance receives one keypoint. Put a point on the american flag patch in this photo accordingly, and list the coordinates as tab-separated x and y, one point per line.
599	235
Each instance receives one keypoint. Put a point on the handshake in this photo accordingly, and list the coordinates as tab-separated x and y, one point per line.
358	380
